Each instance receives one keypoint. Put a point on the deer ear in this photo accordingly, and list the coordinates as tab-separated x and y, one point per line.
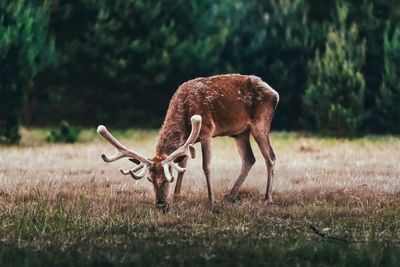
137	162
192	151
179	159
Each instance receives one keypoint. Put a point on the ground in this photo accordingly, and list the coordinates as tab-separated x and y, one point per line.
336	202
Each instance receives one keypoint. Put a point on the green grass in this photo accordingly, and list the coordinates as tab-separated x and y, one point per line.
89	231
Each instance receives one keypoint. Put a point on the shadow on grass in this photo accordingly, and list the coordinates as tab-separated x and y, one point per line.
207	252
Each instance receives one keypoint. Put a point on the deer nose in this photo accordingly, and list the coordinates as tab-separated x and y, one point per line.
161	205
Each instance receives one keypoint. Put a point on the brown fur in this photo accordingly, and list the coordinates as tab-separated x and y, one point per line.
230	105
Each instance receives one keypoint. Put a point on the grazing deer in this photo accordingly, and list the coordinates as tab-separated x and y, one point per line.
223	105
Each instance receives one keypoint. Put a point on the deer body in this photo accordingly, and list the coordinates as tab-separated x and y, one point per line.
226	105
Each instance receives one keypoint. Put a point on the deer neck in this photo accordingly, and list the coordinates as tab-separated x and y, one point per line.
172	134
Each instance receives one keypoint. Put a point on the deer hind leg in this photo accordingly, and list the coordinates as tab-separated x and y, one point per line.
248	160
206	153
261	135
178	185
271	151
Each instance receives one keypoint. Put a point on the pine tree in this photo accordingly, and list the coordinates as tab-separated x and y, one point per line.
24	50
335	93
388	106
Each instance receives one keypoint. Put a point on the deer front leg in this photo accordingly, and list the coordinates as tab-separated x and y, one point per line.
178	185
206	153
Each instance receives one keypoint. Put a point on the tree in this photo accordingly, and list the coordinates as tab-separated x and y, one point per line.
335	93
122	60
388	107
275	39
129	53
25	49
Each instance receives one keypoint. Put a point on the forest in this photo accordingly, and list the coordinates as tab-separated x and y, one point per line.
334	63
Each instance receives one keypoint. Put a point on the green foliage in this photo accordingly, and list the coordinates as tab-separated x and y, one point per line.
65	133
122	60
24	50
372	16
335	93
132	53
129	56
274	39
388	107
291	41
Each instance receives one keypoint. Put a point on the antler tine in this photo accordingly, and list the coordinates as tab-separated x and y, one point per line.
176	167
138	176
122	150
184	150
167	173
126	172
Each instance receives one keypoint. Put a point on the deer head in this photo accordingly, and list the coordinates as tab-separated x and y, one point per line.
158	170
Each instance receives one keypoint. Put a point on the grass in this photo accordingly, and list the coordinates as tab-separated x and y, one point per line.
60	205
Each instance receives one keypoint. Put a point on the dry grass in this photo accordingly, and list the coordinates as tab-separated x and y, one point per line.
304	163
55	199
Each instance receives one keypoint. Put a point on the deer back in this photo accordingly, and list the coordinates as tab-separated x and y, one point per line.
226	103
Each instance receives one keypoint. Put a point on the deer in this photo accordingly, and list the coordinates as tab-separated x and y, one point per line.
232	105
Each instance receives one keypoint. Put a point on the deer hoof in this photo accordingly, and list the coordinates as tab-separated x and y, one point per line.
231	198
268	200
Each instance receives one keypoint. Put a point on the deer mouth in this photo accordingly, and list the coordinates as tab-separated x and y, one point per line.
162	206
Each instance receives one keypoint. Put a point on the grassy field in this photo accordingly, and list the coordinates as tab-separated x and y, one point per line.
336	202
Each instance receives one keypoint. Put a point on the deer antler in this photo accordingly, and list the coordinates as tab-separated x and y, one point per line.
124	152
186	150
